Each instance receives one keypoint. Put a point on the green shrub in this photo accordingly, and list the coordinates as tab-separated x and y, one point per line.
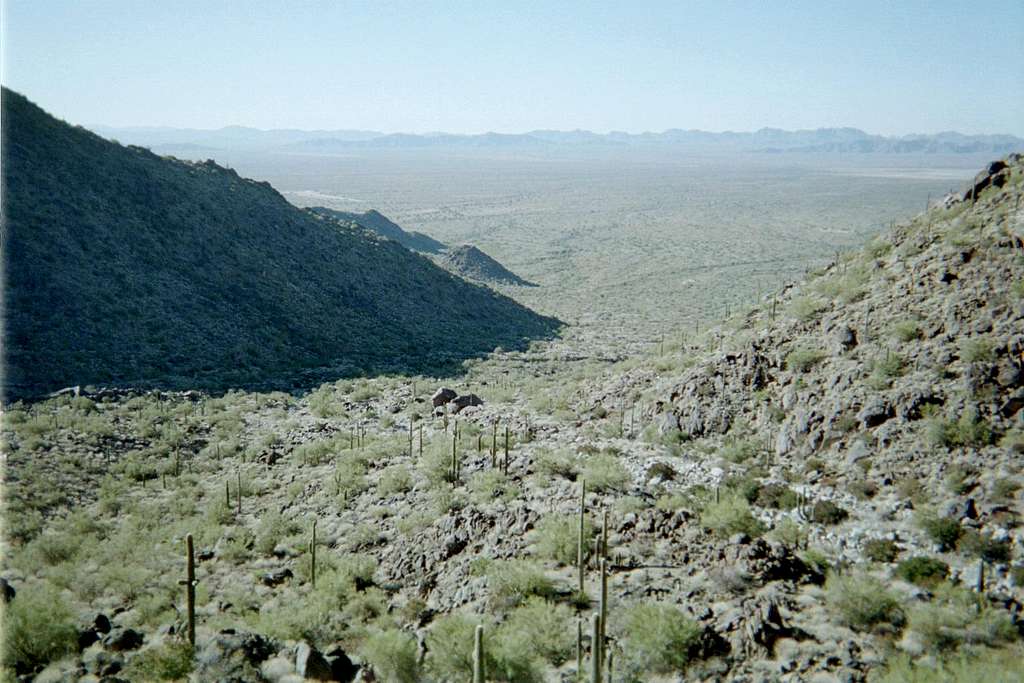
923	571
977	350
984	547
827	512
881	550
803	359
491	485
394	480
604	472
511	582
555	464
393	655
349	479
557	537
945	531
39	628
906	330
790	533
889	366
169	661
805	308
450	646
659	638
957	616
862	602
776	496
729	516
983	664
272	529
543	628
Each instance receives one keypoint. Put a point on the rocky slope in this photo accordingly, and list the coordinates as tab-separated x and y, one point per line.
825	487
469	262
125	267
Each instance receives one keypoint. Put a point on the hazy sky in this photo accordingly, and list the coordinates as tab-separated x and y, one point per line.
887	67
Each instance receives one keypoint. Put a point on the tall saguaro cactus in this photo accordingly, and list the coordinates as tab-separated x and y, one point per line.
580	555
312	555
478	654
190	588
595	648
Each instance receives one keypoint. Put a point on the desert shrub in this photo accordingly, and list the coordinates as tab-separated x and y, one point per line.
543	628
738	451
881	550
394	480
816	560
877	248
661	470
730	515
958	479
169	661
776	496
984	547
862	602
450	646
790	533
413	523
803	359
1004	488
888	366
944	531
969	430
436	461
393	655
1013	440
557	537
349	479
977	350
863	489
513	581
555	464
659	638
670	502
827	512
958	616
848	287
982	664
923	571
272	529
806	308
604	472
39	628
906	330
491	485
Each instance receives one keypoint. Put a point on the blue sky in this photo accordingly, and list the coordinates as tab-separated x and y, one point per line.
886	67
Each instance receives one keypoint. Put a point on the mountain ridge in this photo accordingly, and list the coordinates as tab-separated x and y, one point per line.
125	267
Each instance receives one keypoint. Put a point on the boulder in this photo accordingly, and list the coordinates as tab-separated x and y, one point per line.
125	639
312	665
442	396
342	667
8	590
466	400
276	577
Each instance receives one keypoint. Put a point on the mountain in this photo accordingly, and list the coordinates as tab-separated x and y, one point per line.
125	267
385	227
469	262
766	140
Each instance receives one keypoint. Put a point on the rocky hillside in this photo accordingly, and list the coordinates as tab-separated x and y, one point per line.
125	267
828	486
385	227
469	262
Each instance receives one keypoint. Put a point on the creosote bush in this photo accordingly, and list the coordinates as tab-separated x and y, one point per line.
862	602
604	472
945	531
923	571
39	628
731	515
881	550
803	359
557	537
658	638
393	655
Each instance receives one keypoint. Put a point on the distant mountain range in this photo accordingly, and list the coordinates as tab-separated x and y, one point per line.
126	268
766	140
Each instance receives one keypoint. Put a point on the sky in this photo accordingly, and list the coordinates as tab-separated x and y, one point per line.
891	67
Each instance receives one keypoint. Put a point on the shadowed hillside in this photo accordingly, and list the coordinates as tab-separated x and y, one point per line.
385	227
125	267
469	262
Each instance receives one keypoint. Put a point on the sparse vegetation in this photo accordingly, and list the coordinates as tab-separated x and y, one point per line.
862	602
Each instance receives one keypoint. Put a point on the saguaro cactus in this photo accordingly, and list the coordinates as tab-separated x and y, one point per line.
579	648
190	588
604	598
595	648
312	555
478	654
580	555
